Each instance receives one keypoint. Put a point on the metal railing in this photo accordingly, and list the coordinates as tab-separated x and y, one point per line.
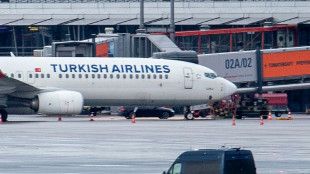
115	1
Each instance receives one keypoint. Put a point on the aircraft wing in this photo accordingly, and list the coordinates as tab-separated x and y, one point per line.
15	88
275	88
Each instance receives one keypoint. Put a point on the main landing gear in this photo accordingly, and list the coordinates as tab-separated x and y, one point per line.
4	115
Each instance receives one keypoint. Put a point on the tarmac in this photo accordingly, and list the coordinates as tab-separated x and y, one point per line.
114	145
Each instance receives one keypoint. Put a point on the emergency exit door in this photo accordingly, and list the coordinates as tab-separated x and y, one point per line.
188	78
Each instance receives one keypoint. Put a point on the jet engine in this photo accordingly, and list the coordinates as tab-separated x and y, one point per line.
58	102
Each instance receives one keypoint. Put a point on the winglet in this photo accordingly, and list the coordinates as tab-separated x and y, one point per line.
12	54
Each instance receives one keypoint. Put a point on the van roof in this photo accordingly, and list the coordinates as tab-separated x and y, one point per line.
210	154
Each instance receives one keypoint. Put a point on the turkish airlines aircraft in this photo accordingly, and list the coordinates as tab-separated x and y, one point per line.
62	85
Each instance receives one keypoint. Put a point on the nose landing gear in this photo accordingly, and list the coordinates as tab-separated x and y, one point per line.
188	115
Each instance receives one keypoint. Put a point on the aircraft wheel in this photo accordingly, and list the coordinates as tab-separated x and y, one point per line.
189	116
278	114
238	117
4	115
94	111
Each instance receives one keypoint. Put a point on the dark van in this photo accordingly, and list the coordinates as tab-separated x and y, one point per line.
214	161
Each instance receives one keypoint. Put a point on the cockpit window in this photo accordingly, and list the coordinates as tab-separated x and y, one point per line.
210	75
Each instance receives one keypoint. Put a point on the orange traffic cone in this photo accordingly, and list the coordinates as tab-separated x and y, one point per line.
289	115
59	118
269	116
233	121
91	116
261	120
133	119
0	119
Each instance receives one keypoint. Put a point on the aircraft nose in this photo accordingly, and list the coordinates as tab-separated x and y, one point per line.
230	88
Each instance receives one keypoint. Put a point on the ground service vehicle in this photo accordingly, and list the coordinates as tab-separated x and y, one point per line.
252	106
277	103
160	112
214	161
247	105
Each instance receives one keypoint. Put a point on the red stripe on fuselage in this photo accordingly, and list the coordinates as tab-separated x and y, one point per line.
2	75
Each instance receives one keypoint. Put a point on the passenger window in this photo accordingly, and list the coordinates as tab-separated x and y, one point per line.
80	76
118	76
42	76
149	76
111	76
30	75
166	76
98	76
37	75
73	76
86	76
142	76
60	76
12	75
67	76
124	76
105	76
93	76
154	76
19	76
130	76
48	76
160	76
137	76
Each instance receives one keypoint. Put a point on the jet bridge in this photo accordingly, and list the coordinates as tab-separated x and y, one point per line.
143	45
160	47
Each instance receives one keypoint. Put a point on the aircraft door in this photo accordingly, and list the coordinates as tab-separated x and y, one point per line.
188	78
30	77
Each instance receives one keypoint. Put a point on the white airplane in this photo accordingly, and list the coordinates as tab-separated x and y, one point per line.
62	85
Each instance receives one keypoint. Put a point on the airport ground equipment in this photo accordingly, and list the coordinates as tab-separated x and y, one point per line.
215	161
246	105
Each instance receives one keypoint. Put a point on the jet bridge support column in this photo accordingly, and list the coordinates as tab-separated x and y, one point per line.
259	64
172	26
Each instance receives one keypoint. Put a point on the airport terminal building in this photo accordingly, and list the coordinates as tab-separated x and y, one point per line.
203	26
26	25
